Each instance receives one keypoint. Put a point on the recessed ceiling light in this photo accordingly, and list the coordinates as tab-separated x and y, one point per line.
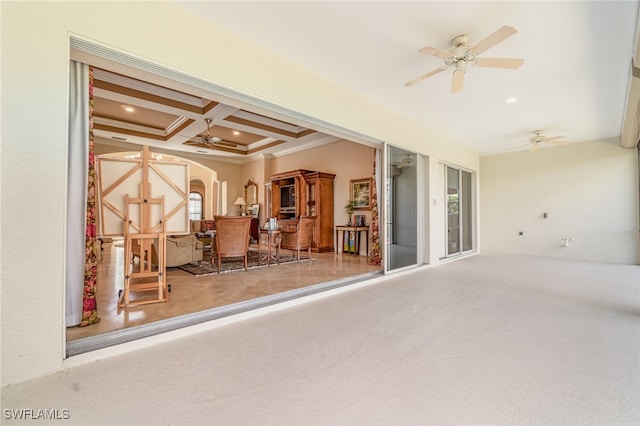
128	108
512	100
236	133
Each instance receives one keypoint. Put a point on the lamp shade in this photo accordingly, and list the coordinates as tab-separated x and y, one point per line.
239	202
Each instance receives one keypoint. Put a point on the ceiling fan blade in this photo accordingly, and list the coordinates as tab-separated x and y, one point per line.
436	52
493	39
199	140
196	139
227	143
457	83
551	139
425	76
510	63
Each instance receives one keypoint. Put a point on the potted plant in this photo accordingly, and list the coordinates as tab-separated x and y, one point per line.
349	208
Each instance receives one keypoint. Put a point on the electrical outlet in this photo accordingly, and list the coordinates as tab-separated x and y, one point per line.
520	233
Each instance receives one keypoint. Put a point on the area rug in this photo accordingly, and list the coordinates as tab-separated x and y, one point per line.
237	264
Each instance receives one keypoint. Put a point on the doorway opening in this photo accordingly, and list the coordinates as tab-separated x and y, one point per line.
141	322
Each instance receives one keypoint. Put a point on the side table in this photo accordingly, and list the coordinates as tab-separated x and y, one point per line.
274	238
357	230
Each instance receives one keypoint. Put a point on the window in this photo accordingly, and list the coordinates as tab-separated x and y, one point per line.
195	206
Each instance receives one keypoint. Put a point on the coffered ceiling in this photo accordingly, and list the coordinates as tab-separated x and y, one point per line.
134	111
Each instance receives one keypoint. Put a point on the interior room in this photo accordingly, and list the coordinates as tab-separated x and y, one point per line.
243	167
421	214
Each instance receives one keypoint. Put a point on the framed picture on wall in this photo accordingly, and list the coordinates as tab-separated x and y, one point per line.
255	210
361	193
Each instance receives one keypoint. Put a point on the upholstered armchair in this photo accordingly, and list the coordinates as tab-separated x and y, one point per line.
300	236
231	239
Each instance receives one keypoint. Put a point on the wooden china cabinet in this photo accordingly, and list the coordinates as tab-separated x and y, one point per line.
305	193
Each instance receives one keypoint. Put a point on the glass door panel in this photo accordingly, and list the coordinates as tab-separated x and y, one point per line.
459	205
453	211
402	209
466	208
311	197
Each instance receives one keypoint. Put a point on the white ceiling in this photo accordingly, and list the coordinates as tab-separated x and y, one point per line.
574	80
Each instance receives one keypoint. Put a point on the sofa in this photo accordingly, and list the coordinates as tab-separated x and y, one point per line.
182	250
200	227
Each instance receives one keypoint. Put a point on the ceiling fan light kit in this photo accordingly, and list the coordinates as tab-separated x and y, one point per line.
208	140
462	55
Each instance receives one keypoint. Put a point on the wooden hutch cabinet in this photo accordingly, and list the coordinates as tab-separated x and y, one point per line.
305	193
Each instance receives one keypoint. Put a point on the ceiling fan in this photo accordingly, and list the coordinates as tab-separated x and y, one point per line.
538	139
462	55
209	140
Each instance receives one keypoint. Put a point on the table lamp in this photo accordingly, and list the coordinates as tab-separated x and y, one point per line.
240	203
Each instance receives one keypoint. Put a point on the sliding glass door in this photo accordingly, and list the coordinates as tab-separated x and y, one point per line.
466	212
453	211
459	214
402	209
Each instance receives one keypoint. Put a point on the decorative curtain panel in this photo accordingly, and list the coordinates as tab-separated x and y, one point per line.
81	261
89	304
375	258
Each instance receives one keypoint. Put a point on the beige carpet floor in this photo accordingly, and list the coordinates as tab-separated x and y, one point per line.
491	339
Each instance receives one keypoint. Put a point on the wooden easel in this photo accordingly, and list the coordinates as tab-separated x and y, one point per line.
140	233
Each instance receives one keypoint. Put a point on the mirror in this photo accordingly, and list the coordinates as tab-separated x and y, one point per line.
251	192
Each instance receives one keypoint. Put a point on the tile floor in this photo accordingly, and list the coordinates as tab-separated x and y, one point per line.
191	293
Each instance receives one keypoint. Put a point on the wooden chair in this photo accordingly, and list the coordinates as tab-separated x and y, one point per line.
300	237
231	239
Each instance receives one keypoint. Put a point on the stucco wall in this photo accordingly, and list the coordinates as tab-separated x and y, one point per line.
588	190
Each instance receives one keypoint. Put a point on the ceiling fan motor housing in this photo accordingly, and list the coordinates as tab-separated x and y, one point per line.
460	40
461	53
